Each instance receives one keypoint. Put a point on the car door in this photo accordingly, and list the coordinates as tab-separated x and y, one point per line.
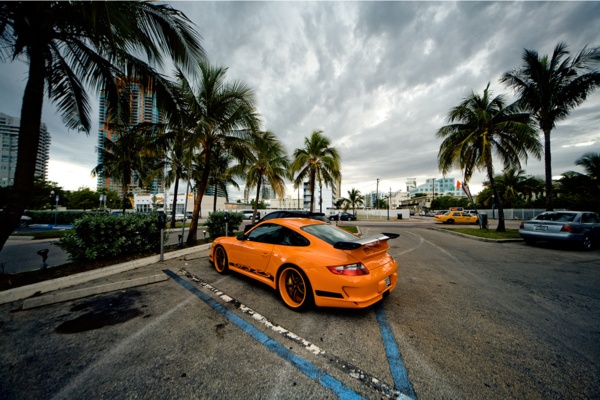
255	251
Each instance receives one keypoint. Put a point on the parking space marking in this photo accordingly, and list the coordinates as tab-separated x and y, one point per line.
346	367
397	368
341	390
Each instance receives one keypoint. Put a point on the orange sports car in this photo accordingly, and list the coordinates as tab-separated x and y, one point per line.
311	262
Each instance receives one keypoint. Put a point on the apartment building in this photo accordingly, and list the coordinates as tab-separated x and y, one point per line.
143	110
9	147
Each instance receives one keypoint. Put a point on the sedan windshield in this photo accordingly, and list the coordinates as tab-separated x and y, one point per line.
328	233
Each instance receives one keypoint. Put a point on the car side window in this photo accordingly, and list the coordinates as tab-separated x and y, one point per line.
290	238
267	233
594	218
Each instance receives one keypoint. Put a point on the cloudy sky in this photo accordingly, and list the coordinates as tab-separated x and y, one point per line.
378	78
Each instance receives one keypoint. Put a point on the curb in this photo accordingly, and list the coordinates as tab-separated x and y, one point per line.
23	292
34	302
478	238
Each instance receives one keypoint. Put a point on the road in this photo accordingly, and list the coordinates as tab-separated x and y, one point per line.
470	319
20	253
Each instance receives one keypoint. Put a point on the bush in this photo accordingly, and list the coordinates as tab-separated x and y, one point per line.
102	236
215	224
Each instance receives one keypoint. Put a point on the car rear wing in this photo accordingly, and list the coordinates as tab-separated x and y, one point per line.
359	242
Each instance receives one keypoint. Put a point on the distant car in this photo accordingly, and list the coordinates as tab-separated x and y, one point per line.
249	213
311	262
430	214
178	217
345	216
580	227
459	217
288	214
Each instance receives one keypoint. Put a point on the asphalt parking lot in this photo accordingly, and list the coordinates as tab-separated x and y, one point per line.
469	319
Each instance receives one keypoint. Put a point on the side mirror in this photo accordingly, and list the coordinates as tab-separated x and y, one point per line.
242	237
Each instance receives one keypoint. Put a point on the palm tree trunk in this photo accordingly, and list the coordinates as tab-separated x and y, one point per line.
29	135
258	185
193	233
176	188
311	187
501	225
215	198
548	170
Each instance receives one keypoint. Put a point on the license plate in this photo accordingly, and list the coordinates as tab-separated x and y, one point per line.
388	282
540	228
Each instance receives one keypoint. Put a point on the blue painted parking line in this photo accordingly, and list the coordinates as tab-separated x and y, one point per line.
397	368
341	390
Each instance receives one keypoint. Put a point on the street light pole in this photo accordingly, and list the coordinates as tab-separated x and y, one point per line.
56	211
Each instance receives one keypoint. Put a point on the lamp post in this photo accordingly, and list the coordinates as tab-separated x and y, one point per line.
56	211
51	198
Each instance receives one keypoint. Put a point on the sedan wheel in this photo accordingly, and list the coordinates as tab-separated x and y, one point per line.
294	288
586	244
221	261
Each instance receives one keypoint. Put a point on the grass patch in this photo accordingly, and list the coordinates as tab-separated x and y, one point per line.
349	228
487	233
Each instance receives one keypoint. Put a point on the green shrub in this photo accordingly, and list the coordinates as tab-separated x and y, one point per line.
101	236
215	224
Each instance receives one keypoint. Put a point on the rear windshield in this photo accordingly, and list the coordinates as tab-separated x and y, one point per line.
328	233
557	216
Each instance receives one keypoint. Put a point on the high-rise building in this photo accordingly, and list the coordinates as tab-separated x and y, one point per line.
143	110
9	146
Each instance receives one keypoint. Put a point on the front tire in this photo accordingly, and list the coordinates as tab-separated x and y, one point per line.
294	288
221	261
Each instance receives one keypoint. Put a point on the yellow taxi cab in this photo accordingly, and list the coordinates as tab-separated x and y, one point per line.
459	217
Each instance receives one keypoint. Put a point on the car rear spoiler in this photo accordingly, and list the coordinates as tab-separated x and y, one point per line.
355	244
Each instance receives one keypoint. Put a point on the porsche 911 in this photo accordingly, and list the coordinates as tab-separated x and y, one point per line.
310	262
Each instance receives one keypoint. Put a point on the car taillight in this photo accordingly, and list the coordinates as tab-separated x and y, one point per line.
522	225
567	228
349	270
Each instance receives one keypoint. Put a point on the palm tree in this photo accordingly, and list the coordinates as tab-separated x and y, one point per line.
70	45
129	158
485	125
511	180
226	117
221	176
355	198
551	88
268	163
532	186
591	163
318	162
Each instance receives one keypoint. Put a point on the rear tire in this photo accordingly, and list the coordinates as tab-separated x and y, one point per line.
450	221
221	261
294	288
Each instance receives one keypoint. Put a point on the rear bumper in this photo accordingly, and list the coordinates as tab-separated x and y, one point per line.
545	236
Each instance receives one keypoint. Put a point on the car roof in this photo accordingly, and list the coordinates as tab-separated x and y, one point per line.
295	222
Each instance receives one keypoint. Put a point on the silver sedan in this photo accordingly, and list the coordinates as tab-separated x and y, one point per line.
580	227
